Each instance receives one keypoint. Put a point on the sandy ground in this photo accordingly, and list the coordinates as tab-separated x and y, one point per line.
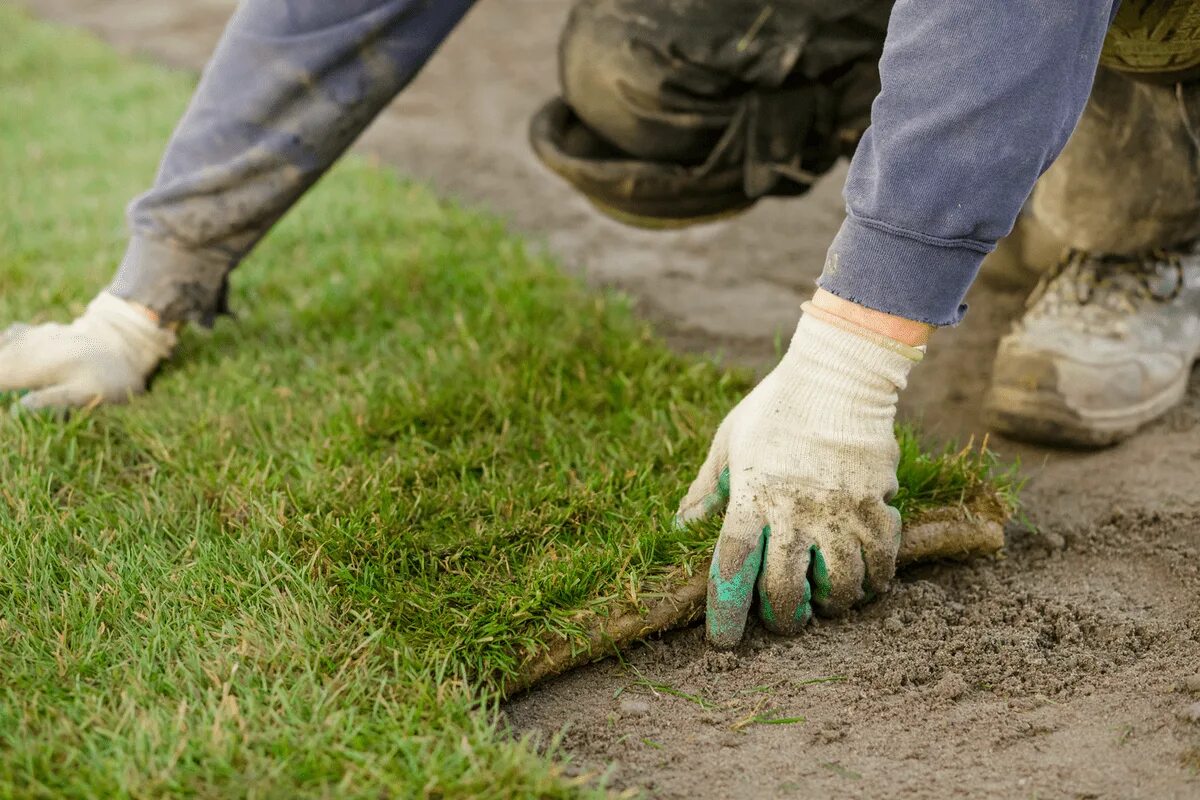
1068	669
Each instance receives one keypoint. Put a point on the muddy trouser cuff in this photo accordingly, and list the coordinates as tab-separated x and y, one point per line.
177	284
914	276
290	86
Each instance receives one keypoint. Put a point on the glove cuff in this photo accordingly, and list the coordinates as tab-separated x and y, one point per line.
142	340
858	354
915	354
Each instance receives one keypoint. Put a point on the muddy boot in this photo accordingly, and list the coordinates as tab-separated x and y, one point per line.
1106	345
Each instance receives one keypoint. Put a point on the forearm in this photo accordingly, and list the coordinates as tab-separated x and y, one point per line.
977	100
291	85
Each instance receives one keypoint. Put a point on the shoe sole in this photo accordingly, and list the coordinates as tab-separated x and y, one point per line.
1042	416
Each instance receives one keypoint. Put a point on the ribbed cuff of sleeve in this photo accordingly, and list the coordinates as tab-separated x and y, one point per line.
179	285
900	272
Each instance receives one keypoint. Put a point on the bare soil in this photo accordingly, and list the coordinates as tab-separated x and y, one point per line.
1068	669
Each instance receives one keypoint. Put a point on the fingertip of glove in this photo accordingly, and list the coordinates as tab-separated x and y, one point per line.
684	517
875	582
706	507
785	625
723	636
38	409
725	611
61	402
788	623
790	626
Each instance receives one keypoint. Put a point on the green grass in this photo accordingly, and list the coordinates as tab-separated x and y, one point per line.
953	476
297	568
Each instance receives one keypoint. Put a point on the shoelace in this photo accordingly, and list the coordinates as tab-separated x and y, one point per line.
1142	273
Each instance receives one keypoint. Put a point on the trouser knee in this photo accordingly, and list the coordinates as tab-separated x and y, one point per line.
711	103
619	76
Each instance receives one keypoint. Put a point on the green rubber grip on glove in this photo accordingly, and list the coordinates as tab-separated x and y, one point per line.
730	598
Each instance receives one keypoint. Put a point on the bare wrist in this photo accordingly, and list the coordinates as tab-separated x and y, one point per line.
146	312
906	331
153	316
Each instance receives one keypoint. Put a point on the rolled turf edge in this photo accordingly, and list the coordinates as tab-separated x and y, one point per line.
950	533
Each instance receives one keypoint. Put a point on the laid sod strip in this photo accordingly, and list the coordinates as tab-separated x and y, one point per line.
678	600
954	504
309	561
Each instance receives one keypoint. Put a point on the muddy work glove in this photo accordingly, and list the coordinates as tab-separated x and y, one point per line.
804	468
106	356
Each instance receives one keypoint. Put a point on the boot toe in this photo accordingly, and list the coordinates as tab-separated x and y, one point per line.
1082	394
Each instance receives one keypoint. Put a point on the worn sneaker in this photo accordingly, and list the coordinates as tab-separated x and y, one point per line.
1107	344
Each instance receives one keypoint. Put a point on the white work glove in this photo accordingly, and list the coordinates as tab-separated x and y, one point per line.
805	466
106	356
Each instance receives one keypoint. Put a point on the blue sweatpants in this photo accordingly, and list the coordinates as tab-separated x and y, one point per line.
978	99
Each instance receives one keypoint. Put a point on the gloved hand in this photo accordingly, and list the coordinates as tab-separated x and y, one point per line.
104	356
805	466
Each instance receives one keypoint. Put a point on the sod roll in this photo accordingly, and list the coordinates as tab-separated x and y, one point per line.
953	533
